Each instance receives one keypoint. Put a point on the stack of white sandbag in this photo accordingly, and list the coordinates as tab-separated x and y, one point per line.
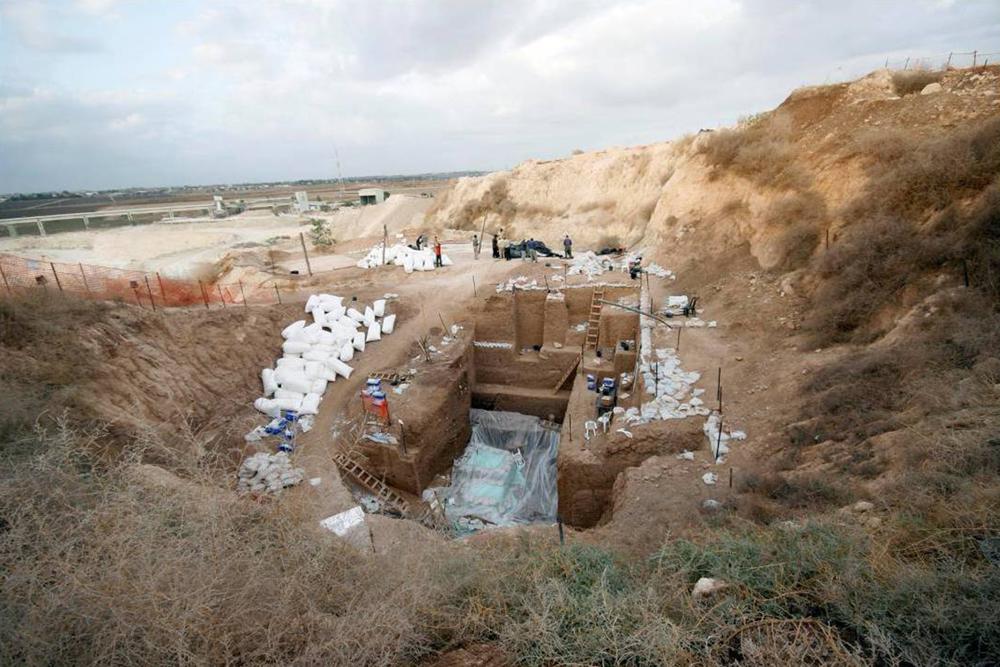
268	472
316	354
402	255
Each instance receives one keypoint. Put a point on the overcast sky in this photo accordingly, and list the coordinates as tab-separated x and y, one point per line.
114	93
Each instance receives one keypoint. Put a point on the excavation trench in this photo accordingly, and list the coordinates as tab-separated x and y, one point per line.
523	369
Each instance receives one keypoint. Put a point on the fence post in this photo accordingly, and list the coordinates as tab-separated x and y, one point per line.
56	275
906	65
474	292
277	293
385	241
243	294
678	346
974	58
718	389
221	297
163	292
947	65
4	276
149	291
204	294
84	276
305	252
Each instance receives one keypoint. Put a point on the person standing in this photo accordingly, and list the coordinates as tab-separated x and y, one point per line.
476	244
437	253
567	247
532	250
496	247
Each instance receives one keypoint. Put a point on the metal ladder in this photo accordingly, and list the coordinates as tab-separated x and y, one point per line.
593	321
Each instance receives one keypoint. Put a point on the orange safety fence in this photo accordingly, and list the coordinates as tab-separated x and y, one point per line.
148	290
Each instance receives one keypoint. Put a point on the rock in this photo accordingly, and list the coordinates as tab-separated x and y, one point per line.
707	587
931	88
711	505
709	478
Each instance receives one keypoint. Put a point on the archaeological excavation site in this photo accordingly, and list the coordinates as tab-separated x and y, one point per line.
729	399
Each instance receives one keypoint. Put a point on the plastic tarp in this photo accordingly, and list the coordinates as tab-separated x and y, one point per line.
507	475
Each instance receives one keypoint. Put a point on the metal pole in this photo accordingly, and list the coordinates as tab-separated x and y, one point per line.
84	276
277	293
163	292
204	294
718	441
974	58
444	327
56	275
474	292
243	294
948	64
150	291
562	539
221	298
678	348
385	242
305	252
4	276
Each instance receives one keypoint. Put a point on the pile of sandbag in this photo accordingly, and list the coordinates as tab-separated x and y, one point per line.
402	255
268	472
315	354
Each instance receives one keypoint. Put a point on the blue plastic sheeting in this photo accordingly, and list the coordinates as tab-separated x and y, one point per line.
507	474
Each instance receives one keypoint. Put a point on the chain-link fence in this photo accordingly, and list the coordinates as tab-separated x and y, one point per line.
956	59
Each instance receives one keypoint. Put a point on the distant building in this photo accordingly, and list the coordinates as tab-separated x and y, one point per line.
301	201
372	196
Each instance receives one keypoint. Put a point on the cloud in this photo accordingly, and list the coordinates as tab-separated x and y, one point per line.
33	25
256	90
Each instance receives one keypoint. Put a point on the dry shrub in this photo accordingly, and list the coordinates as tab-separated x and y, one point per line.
910	176
797	491
609	241
796	218
908	82
762	152
495	201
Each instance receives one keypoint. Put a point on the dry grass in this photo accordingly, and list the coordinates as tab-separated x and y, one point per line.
762	152
796	219
909	82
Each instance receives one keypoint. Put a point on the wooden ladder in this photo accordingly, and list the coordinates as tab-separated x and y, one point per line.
568	374
594	320
369	481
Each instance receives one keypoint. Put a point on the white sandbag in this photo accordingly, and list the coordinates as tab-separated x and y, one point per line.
374	332
288	403
348	322
310	404
319	316
268	406
319	386
291	361
299	383
408	264
330	300
359	341
296	346
340	368
326	338
312	302
369	316
355	315
388	324
379	307
267	378
288	393
445	260
287	332
314	369
335	313
316	355
312	332
328	373
347	352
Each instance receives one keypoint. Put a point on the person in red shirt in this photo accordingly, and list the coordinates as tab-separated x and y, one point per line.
437	252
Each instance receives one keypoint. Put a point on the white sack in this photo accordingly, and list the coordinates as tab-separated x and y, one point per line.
340	368
288	403
312	302
299	383
316	355
359	341
388	324
310	404
267	378
295	346
355	315
291	361
287	332
408	264
319	316
319	386
347	352
445	260
268	406
374	332
288	393
369	316
379	307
